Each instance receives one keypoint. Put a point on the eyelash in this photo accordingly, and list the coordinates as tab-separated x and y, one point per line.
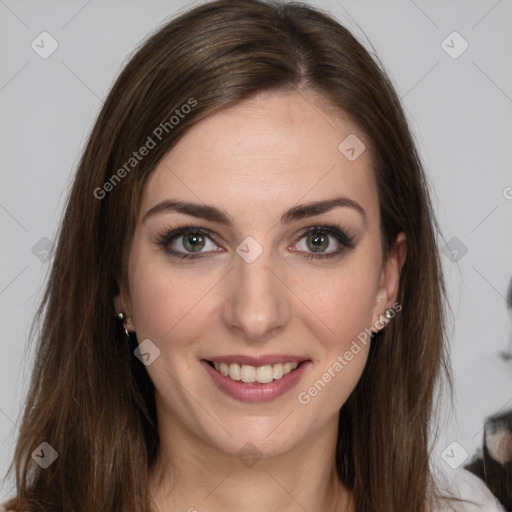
166	237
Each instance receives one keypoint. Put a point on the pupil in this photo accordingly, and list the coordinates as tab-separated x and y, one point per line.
194	242
320	242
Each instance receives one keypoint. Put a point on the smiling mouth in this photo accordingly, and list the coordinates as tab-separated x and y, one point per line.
255	374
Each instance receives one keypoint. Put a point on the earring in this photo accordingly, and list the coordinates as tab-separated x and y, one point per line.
121	318
386	317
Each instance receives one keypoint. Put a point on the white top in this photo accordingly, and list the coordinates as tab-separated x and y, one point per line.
461	483
458	483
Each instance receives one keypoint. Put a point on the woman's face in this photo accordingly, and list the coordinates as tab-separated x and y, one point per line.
259	291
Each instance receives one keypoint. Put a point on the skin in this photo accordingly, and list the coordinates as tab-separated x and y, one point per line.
255	161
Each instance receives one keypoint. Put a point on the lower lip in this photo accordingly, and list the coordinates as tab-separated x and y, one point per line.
255	392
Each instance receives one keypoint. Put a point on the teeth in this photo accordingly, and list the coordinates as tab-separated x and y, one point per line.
278	371
234	371
262	374
248	373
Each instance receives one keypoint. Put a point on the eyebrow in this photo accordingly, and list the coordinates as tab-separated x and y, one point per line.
218	215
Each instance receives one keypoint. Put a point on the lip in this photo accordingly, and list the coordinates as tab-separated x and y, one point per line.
256	392
257	360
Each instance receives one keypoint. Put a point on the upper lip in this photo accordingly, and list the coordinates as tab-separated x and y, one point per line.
257	361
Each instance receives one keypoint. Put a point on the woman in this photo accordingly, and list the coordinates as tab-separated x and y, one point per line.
246	306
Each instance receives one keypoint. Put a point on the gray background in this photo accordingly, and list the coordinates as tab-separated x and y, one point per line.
460	110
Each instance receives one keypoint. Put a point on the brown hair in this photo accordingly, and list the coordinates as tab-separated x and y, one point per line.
91	399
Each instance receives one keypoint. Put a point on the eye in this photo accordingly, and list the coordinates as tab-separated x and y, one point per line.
191	242
324	242
187	242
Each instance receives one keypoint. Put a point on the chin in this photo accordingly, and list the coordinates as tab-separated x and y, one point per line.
251	439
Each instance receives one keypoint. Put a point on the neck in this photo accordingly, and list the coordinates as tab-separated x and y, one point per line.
192	475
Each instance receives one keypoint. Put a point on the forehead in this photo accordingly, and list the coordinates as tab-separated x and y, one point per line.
265	154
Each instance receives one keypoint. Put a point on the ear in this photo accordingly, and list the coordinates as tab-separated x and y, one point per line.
122	304
389	280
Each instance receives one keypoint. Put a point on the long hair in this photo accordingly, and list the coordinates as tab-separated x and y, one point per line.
90	399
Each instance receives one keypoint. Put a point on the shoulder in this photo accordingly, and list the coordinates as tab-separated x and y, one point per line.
470	493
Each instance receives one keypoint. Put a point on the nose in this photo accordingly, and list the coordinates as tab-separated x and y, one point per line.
257	302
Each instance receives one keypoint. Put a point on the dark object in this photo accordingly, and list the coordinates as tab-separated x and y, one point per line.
494	465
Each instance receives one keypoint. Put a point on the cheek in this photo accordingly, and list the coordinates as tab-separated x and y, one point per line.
341	310
166	301
338	304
